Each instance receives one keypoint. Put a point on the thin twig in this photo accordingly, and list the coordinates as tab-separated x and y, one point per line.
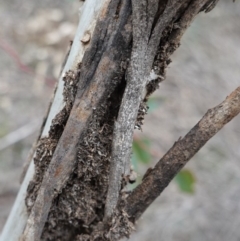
19	134
23	67
182	151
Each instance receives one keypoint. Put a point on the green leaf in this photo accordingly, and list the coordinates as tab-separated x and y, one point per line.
186	180
154	103
134	161
141	150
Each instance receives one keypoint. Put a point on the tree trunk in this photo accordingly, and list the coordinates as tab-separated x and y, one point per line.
82	160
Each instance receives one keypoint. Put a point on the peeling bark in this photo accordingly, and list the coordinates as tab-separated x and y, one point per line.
100	75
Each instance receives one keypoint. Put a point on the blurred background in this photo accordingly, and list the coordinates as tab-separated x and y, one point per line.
203	201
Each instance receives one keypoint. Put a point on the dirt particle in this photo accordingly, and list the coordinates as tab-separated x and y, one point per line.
86	38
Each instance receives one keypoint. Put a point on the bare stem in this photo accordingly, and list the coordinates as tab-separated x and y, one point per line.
155	181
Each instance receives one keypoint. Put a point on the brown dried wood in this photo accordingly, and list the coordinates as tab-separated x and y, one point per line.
182	151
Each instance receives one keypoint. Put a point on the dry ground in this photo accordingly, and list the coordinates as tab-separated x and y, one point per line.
34	36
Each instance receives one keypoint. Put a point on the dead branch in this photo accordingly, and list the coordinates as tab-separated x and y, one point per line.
138	76
99	67
157	179
154	16
66	199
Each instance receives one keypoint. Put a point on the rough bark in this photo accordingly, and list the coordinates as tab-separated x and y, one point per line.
80	149
162	26
73	186
83	162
